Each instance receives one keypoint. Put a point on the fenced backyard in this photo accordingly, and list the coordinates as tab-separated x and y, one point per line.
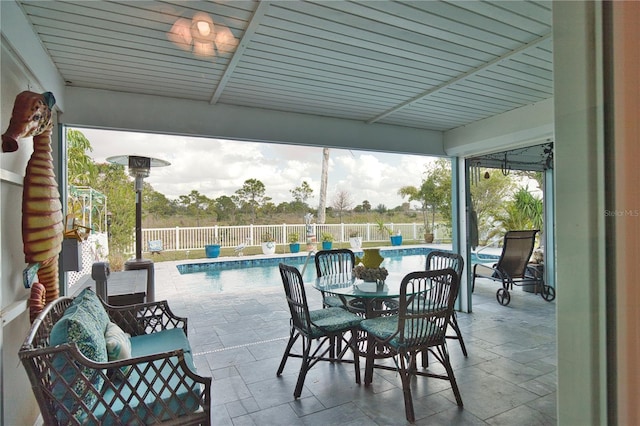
194	238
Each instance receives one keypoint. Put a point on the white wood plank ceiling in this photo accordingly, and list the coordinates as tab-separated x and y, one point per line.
424	64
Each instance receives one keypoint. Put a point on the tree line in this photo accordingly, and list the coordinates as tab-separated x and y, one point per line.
499	202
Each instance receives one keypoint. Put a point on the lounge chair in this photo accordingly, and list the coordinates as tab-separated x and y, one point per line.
513	267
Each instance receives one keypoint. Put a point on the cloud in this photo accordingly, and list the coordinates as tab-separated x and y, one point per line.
217	167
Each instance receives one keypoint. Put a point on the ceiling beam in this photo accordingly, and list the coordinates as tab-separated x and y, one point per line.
461	77
155	114
254	22
524	126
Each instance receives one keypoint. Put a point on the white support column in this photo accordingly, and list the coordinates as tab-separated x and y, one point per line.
459	237
581	273
549	230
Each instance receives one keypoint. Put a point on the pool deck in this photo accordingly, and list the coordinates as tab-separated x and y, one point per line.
509	377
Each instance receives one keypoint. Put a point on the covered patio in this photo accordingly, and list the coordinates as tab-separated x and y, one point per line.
460	80
509	376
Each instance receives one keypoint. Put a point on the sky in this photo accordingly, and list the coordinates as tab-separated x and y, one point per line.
216	167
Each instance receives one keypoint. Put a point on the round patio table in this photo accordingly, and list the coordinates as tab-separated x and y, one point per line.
370	299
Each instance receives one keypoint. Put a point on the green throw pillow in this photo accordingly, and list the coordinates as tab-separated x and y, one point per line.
77	325
90	302
118	344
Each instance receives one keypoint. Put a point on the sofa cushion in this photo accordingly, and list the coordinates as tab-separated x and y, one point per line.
78	325
162	341
148	396
118	344
91	303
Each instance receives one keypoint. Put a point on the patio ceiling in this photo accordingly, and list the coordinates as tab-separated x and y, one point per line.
423	64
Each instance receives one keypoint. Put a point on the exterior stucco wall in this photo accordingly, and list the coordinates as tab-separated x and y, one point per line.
18	403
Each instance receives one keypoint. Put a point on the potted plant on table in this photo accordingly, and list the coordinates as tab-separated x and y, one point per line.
268	243
294	242
355	240
327	241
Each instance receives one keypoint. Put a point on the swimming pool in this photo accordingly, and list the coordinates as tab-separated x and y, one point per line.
260	272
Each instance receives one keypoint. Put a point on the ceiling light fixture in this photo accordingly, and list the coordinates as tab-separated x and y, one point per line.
202	36
204	28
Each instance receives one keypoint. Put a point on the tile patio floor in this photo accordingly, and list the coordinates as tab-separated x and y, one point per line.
509	377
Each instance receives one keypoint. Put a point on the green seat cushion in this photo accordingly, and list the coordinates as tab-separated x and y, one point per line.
145	394
381	327
333	302
162	341
385	327
332	320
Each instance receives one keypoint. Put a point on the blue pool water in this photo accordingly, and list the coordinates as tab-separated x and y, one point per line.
218	277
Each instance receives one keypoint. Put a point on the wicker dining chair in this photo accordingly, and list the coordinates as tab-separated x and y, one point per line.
425	307
329	262
438	259
321	326
337	261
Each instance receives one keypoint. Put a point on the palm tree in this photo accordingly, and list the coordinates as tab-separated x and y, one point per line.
81	169
523	211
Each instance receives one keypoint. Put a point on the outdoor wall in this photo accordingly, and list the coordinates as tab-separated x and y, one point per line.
625	69
18	403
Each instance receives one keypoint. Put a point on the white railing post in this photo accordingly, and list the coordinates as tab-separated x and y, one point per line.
177	238
284	233
342	232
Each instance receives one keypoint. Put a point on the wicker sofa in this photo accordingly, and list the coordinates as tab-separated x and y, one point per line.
84	372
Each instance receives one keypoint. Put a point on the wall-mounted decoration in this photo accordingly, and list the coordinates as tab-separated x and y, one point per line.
42	227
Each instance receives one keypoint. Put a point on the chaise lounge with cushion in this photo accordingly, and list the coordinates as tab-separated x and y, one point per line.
92	363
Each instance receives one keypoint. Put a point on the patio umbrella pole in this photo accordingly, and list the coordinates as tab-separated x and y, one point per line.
139	168
138	219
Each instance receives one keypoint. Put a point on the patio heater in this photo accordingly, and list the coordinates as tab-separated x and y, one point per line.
139	168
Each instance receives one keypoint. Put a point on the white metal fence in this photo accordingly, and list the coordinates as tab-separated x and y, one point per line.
193	238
